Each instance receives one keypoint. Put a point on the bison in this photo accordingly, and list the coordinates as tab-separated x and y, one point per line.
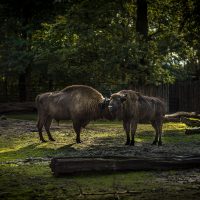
78	103
133	108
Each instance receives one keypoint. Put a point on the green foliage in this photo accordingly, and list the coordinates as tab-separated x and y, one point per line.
95	43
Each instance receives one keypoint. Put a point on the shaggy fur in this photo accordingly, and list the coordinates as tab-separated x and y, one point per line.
133	108
79	103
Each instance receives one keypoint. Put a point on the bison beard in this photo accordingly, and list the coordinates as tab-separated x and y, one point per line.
133	108
78	103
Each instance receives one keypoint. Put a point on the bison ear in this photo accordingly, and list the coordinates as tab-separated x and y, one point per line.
123	98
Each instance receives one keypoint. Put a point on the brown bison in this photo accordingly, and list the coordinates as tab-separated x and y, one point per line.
133	108
78	103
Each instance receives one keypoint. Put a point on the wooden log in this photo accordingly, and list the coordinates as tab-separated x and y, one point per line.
190	122
191	131
66	165
17	107
183	114
171	119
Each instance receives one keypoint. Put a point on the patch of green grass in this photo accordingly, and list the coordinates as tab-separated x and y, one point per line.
35	180
22	180
26	145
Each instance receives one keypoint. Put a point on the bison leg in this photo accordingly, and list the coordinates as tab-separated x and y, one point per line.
160	134
77	128
126	125
40	124
157	125
133	130
47	127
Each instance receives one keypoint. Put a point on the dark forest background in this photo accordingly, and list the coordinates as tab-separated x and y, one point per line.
108	44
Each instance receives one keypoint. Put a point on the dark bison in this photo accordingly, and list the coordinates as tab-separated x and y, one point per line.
133	108
78	103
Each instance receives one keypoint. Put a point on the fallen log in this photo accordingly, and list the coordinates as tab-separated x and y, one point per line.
190	122
171	119
191	131
17	107
67	165
183	114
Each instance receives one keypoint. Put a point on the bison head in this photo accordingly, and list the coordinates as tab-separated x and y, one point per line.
104	109
104	104
115	104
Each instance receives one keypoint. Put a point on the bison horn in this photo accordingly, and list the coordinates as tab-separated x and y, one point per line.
110	92
104	104
106	101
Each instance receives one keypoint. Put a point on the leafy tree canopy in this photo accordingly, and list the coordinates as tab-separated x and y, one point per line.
61	42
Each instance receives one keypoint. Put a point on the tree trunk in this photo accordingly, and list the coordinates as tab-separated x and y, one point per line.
22	87
24	84
6	88
142	31
142	20
50	85
25	76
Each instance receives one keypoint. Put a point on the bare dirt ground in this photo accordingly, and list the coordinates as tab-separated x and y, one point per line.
24	160
106	139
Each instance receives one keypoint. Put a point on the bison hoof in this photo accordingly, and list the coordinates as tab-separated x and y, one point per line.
43	141
78	141
132	143
51	139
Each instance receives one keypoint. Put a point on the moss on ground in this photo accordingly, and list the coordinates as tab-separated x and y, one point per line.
35	181
20	178
26	144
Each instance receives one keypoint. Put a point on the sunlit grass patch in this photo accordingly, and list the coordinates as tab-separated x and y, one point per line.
25	145
174	126
22	179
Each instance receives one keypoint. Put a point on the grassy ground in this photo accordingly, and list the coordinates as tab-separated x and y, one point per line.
25	172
